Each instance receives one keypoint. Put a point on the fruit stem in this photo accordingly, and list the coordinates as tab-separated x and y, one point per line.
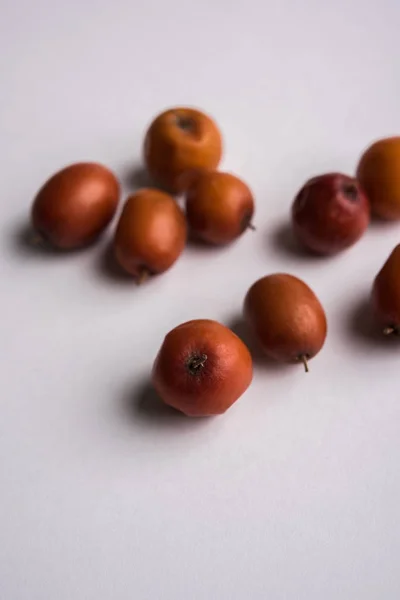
303	359
389	331
251	226
143	276
196	363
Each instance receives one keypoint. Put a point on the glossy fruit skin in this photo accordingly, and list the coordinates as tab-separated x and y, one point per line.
151	233
286	317
179	142
386	293
379	174
212	387
219	207
75	205
330	213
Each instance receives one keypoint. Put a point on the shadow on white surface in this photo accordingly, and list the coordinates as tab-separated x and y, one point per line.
284	242
142	403
109	270
239	326
363	327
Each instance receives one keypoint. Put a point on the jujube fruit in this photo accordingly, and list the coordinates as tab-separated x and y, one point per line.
379	174
386	294
286	317
151	233
219	207
179	142
75	205
330	213
202	368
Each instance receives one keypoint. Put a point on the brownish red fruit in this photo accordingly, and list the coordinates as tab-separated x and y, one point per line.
330	213
151	233
75	205
379	173
386	294
202	368
286	317
179	142
219	207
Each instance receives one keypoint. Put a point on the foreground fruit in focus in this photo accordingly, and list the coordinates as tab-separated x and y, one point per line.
181	141
386	294
286	317
151	233
219	207
379	174
330	213
202	368
75	205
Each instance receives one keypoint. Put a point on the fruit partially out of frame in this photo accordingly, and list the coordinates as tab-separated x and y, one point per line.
75	205
386	294
379	174
202	368
330	213
178	143
286	317
151	233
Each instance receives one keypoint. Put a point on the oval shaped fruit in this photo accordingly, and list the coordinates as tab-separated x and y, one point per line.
330	213
386	294
379	174
75	205
151	233
219	207
202	368
178	142
286	317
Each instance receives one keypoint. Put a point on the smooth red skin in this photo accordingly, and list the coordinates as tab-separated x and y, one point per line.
325	219
225	377
173	156
75	205
386	292
286	317
219	207
151	233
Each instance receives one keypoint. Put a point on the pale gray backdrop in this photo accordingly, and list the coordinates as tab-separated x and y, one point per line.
295	493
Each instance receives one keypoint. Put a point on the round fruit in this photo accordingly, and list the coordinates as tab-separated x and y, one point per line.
75	205
202	368
219	207
181	141
386	294
286	317
151	233
379	174
330	213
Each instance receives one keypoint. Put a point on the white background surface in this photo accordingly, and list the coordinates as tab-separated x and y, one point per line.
294	494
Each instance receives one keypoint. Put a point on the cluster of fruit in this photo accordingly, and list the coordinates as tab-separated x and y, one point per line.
202	367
